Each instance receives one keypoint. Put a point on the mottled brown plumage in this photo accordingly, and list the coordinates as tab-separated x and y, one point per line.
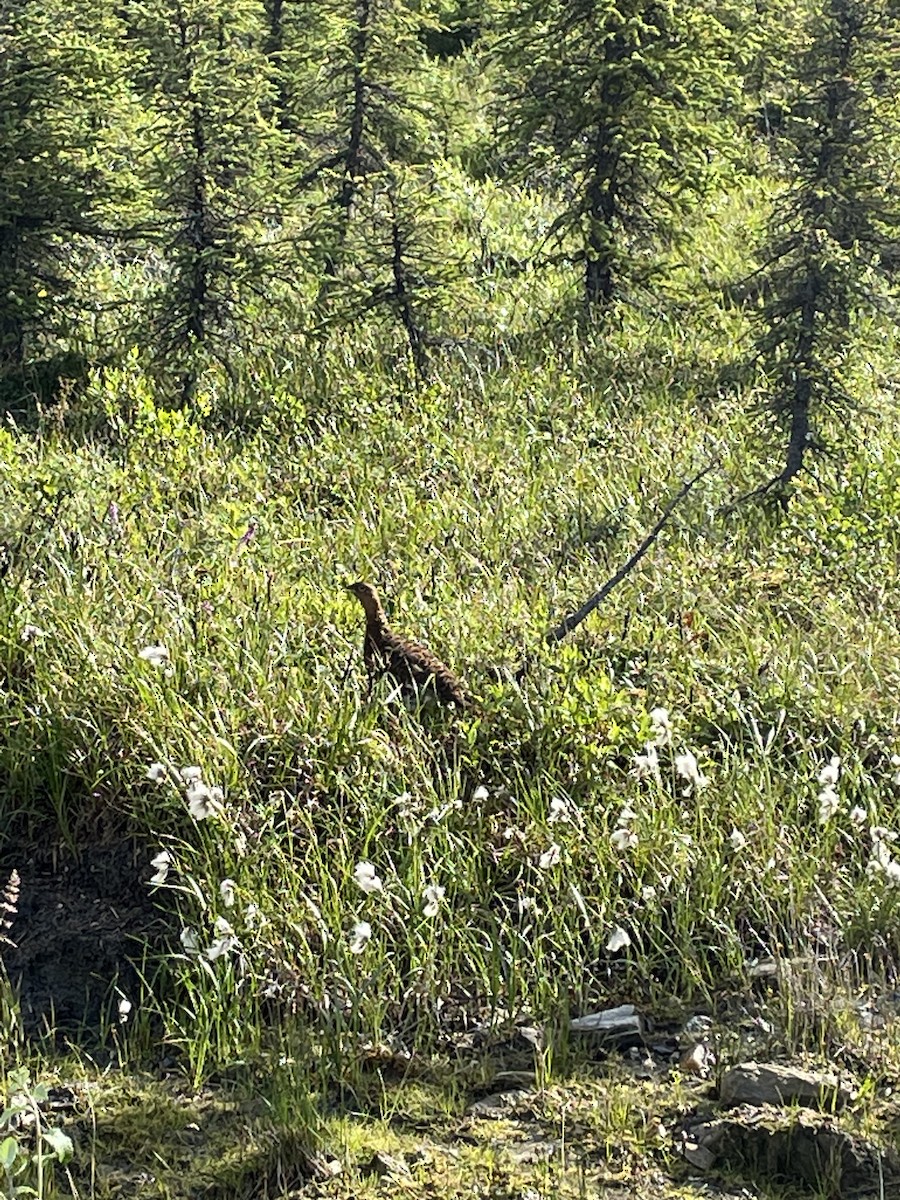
417	672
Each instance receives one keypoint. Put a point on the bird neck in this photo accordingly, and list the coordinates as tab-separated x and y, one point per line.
375	615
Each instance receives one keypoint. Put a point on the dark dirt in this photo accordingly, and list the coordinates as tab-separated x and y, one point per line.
81	923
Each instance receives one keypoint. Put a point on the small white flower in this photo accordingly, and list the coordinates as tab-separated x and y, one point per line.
191	774
737	839
433	895
619	939
480	794
359	939
661	725
830	773
858	815
226	892
219	948
623	839
648	893
829	803
892	873
626	815
646	766
161	864
254	919
879	833
225	940
189	941
155	655
30	633
157	773
560	811
124	1010
550	857
895	763
201	800
366	877
687	767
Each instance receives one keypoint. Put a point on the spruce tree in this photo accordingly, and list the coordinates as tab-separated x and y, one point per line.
58	86
213	173
366	138
614	106
834	236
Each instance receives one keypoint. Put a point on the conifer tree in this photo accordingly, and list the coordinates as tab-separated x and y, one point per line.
213	174
614	105
364	107
834	236
58	80
366	124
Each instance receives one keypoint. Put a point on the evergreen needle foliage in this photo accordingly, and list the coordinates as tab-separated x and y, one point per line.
834	235
618	108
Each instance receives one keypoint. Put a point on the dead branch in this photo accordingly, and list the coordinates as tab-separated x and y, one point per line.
574	619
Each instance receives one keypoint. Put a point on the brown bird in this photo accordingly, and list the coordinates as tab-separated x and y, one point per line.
417	672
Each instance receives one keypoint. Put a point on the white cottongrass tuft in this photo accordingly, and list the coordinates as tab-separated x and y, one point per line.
156	656
189	941
623	839
829	803
161	864
203	801
619	939
646	765
191	775
30	633
226	892
830	773
858	815
661	726
550	857
157	772
480	794
688	768
882	862
366	877
560	811
737	839
360	937
895	763
125	1007
225	940
432	895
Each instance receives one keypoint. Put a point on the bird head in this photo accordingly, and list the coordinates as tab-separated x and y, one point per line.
366	595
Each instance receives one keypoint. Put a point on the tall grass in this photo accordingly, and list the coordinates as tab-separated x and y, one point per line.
486	505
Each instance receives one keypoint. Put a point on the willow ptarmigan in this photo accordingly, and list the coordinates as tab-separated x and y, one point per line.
417	672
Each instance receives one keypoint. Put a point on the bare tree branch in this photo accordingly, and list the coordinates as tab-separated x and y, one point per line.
573	620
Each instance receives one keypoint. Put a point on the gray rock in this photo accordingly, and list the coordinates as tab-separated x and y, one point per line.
697	1154
500	1105
794	1148
769	1083
623	1021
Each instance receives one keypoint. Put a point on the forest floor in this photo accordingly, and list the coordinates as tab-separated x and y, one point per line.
620	1124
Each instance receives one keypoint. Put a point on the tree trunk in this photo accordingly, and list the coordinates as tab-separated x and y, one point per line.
12	328
799	437
402	297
